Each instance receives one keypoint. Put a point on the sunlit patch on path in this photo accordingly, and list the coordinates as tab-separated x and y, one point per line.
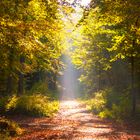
74	122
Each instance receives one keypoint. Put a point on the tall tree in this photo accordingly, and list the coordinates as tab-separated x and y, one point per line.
30	38
113	36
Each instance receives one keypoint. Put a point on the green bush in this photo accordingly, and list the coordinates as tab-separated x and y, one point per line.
41	88
97	104
33	105
107	105
106	113
11	103
122	109
117	112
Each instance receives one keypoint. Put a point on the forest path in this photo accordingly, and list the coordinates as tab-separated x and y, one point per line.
74	122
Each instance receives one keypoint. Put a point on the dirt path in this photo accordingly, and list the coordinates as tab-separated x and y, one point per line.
74	122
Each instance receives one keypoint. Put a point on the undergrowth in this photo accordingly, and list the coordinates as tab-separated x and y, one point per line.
41	88
109	104
9	128
32	105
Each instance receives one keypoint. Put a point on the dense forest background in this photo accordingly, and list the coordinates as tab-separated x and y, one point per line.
109	52
105	49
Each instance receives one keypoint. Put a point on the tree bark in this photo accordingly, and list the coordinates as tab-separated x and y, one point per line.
21	77
9	87
133	72
132	87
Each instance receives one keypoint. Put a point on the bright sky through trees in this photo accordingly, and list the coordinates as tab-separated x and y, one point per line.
85	2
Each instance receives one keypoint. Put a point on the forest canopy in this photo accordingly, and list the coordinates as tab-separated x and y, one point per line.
30	40
104	41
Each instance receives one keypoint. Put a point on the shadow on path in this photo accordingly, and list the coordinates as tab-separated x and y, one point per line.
74	122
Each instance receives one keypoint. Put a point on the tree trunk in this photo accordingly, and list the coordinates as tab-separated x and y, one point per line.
133	71
9	87
132	87
132	82
21	77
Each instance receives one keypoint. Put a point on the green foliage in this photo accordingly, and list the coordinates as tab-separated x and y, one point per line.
106	114
97	104
9	128
39	88
122	109
11	104
117	111
42	88
107	46
23	24
36	105
113	107
33	105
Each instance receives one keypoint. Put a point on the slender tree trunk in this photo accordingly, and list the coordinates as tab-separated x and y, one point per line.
132	83
132	87
110	83
9	87
21	77
133	71
99	79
